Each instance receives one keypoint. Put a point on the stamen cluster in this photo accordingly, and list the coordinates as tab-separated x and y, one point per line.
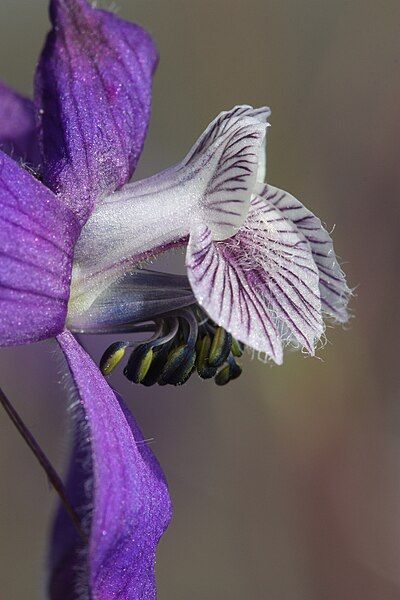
182	343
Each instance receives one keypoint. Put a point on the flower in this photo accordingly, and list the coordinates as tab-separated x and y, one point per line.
261	271
92	94
260	265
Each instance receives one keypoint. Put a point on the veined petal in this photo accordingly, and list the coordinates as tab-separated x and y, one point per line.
17	126
267	270
232	150
93	90
37	236
137	296
334	291
211	186
223	289
131	507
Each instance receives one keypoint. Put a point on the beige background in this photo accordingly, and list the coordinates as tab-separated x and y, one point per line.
286	484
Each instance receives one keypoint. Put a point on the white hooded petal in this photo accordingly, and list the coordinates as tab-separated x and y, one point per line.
225	121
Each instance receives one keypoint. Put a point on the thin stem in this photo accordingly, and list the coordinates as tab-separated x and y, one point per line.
51	473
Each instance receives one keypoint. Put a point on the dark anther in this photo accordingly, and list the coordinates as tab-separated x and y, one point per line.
204	369
112	357
223	376
229	372
159	360
236	370
179	365
139	363
220	347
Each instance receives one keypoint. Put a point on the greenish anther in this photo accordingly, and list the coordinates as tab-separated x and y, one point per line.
112	357
179	365
237	348
139	363
204	369
220	347
229	372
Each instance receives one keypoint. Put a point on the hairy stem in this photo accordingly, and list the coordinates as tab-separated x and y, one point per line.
48	468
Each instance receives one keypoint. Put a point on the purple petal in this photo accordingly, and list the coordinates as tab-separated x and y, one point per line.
131	506
334	291
93	90
37	235
17	126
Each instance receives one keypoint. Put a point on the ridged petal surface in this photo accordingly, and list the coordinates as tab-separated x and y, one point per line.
37	236
93	91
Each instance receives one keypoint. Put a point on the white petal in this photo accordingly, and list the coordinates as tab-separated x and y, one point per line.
262	279
221	286
334	291
224	120
231	156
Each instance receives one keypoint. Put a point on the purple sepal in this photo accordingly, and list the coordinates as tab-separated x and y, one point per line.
93	91
17	126
37	236
128	494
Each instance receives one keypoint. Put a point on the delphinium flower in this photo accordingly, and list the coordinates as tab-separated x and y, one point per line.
261	273
260	266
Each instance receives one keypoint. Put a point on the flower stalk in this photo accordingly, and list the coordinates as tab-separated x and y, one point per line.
52	475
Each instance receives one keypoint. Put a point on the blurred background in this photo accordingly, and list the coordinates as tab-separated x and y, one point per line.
286	483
